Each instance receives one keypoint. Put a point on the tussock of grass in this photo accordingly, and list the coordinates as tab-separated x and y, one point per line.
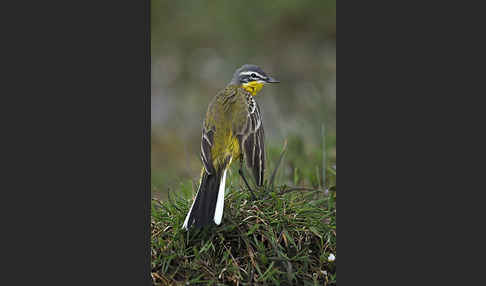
284	237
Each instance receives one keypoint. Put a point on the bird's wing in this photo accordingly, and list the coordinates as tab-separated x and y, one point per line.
207	141
214	116
254	145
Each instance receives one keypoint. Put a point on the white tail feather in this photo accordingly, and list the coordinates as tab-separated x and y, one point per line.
218	213
184	226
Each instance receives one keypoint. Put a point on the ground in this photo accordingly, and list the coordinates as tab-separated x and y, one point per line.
287	236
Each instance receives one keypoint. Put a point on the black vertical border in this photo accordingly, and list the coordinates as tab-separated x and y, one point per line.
411	158
75	198
148	144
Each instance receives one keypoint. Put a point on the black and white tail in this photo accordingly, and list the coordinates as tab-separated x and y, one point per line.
209	202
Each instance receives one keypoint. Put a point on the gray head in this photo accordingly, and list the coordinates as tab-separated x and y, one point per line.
247	74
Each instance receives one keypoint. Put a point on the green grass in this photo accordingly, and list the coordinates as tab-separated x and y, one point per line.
284	237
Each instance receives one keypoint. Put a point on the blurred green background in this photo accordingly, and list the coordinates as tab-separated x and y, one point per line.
196	47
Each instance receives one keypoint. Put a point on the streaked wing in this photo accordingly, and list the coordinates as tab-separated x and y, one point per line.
254	146
207	141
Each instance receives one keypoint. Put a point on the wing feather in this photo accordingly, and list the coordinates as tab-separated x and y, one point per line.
207	141
254	146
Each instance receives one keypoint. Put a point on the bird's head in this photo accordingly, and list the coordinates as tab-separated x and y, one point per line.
252	78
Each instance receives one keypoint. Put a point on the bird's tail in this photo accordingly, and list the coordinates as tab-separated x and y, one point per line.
209	202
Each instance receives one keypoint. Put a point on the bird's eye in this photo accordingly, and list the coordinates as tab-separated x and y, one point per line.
253	75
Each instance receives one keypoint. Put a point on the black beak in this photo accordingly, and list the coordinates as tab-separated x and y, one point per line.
272	80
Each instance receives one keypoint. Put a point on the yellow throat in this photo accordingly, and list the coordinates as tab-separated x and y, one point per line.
253	87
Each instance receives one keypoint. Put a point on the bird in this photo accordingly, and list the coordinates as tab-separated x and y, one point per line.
232	130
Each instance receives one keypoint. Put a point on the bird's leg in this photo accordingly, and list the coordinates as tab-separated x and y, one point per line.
244	179
246	183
